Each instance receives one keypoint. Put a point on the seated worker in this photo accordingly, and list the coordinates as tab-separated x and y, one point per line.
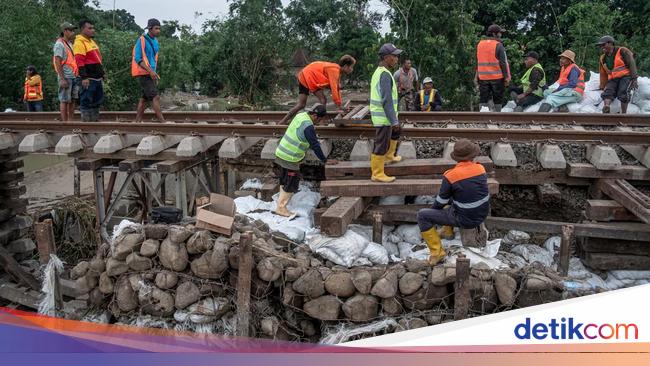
618	74
298	138
532	86
465	190
430	99
316	76
572	85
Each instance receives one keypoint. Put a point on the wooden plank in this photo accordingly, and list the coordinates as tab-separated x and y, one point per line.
13	191
131	165
8	177
172	166
16	203
12	165
608	210
629	197
245	266
600	245
9	264
609	262
92	164
402	187
361	169
509	176
461	288
130	153
335	221
630	172
19	295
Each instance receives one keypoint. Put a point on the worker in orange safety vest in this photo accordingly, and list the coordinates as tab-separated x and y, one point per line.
618	73
492	69
33	96
571	85
144	66
66	70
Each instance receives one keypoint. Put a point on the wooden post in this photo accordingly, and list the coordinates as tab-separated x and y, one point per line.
377	227
565	249
461	293
77	179
44	233
244	283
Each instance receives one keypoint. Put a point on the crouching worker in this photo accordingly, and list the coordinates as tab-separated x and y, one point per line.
464	190
298	138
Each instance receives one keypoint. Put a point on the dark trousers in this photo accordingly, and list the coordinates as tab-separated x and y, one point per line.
289	179
527	101
618	88
428	217
383	135
36	106
491	89
92	97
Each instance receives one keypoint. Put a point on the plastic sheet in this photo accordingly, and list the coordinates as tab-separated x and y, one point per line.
345	332
47	306
253	183
343	251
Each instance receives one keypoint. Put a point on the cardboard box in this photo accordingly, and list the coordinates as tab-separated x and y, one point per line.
218	215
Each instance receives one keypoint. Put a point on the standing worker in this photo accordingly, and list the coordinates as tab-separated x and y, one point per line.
465	189
316	76
618	73
91	72
429	98
383	113
298	138
144	63
571	85
33	96
407	84
492	71
67	71
532	86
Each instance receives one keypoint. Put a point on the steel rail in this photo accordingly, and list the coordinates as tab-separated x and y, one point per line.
352	131
579	119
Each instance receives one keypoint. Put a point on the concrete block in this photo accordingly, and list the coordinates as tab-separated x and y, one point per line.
194	145
640	153
69	144
503	155
325	145
234	147
449	148
361	150
7	140
113	142
35	142
550	156
152	145
268	152
603	157
21	246
406	149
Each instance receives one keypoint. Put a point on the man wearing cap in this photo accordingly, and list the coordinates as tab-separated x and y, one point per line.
492	71
67	71
144	63
317	76
429	98
298	138
618	73
571	85
383	113
533	83
465	190
407	83
91	72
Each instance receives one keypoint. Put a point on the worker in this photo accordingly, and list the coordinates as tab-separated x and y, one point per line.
532	86
144	64
429	98
298	138
33	96
91	72
383	113
66	71
463	200
492	71
407	84
571	85
618	73
318	75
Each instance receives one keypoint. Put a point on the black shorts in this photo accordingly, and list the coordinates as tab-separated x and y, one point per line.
149	88
302	89
289	179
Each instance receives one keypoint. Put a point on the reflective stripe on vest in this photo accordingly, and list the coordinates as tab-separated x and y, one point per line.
136	69
294	145
474	204
432	94
620	69
488	64
525	80
33	93
377	113
69	58
564	78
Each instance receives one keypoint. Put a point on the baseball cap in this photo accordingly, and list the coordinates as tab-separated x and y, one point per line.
605	39
66	26
533	54
494	28
389	49
318	109
153	23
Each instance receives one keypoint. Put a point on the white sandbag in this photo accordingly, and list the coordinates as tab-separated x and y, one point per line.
644	105
366	231
405	250
409	234
391	200
343	251
633	109
614	283
644	88
588	108
361	261
533	253
552	244
484	109
574	107
486	255
509	107
253	183
514	237
591	97
375	253
630	275
391	248
424	200
533	108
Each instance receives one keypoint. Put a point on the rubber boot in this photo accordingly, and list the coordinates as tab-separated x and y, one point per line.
623	108
518	109
283	201
447	232
497	107
545	107
390	155
436	253
377	167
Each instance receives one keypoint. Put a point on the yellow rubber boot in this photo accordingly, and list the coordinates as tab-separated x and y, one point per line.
432	239
377	167
447	232
392	150
283	201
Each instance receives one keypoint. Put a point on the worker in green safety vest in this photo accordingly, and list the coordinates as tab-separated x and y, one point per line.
299	137
383	113
532	86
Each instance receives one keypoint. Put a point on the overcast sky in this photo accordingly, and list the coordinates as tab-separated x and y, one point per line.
184	10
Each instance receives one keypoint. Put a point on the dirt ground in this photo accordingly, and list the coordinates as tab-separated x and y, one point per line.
54	182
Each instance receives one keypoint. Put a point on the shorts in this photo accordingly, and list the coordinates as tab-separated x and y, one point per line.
302	89
36	106
149	88
289	179
618	88
67	95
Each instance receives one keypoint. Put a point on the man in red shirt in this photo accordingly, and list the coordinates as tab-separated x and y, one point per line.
317	76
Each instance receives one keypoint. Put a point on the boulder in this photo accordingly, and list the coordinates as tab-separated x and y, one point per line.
392	306
126	298
386	286
362	280
291	298
310	284
233	257
292	273
425	298
138	263
79	270
85	284
137	281
308	328
483	296
409	283
200	242
514	237
155	231
412	323
269	326
178	234
433	318
506	288
115	268
537	282
97	266
441	275
106	284
323	308
269	269
340	284
160	303
417	265
361	308
211	306
187	294
126	244
210	265
172	255
166	280
149	248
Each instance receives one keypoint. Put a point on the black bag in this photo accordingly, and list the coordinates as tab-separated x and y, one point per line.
166	215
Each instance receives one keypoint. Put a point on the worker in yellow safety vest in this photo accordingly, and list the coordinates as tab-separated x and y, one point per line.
430	99
33	96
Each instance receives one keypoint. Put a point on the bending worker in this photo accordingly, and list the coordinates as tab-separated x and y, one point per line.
383	113
298	138
316	76
429	97
618	75
465	189
572	85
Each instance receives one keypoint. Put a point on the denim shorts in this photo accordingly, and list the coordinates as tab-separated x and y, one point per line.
67	95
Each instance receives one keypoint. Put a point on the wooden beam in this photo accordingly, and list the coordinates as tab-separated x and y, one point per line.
630	172
599	245
461	288
335	221
360	169
628	196
19	295
400	187
565	249
245	267
609	262
9	265
608	210
172	166
45	243
130	153
508	176
13	191
92	164
12	165
132	165
7	177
